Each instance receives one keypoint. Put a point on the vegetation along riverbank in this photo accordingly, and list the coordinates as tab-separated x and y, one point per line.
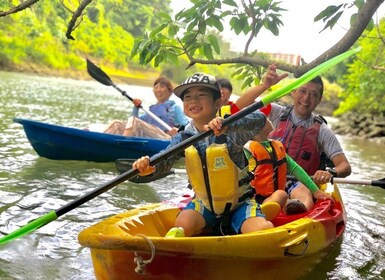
134	47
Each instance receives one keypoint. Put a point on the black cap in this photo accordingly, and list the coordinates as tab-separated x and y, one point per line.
196	80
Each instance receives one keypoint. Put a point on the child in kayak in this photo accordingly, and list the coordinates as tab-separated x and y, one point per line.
145	125
216	166
270	164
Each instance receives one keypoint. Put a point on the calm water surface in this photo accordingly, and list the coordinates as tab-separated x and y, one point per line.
31	186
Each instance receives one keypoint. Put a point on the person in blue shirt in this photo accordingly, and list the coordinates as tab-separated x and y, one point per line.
144	125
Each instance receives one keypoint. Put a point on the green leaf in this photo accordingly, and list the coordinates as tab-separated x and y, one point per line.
230	3
173	30
215	22
171	57
370	25
327	13
135	48
236	25
214	43
192	25
272	27
158	30
359	3
188	39
152	50
332	21
164	15
245	25
158	59
353	19
247	82
207	51
202	27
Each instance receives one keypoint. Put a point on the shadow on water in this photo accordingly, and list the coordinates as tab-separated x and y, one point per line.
86	177
328	264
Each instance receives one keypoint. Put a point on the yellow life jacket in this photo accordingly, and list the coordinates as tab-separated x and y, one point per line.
268	166
217	181
224	110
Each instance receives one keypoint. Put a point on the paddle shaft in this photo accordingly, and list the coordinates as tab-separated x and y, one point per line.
53	215
155	117
377	183
99	75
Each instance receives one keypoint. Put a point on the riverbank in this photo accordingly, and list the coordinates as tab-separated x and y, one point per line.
363	126
143	77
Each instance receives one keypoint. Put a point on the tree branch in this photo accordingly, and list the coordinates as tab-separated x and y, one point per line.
22	6
78	13
363	18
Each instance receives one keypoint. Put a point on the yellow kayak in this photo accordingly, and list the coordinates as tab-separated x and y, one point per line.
131	245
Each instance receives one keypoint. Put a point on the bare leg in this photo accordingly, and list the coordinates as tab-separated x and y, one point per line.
255	224
279	196
115	127
139	128
191	221
303	194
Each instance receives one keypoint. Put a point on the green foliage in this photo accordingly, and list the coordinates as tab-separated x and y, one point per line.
37	35
193	32
364	83
331	14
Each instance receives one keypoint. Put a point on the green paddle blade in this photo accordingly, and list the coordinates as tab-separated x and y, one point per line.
308	76
35	224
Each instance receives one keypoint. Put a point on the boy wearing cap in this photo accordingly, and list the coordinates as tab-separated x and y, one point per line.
216	166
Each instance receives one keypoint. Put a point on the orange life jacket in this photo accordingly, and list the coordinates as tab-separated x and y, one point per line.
269	168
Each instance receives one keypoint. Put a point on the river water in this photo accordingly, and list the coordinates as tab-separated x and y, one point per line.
31	186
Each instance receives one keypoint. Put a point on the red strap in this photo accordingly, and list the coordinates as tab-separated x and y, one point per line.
266	110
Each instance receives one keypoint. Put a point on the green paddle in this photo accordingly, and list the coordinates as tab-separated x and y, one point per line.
53	215
99	75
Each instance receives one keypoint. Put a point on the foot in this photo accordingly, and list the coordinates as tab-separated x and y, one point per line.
270	210
294	206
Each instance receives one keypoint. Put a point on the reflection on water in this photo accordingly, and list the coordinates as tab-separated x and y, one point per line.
31	186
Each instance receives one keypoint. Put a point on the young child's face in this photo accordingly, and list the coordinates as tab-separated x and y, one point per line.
161	92
225	95
264	133
198	104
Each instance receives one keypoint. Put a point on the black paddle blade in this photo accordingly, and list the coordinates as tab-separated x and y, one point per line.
379	183
98	74
122	165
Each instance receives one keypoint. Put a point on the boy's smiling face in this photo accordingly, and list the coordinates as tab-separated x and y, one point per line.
198	104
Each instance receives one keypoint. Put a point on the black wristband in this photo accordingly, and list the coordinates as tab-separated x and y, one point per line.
332	171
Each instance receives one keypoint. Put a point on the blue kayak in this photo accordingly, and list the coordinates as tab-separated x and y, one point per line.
66	143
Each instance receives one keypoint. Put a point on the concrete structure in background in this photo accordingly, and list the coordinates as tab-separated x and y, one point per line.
288	58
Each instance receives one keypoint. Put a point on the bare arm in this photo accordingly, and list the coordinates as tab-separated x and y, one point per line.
342	165
270	78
